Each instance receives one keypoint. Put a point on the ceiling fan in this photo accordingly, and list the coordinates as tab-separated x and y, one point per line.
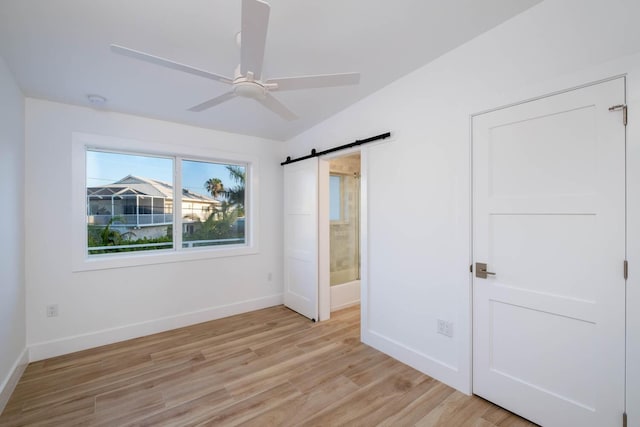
247	80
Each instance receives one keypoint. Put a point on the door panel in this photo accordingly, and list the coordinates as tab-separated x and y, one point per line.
523	356
529	237
548	219
301	237
526	160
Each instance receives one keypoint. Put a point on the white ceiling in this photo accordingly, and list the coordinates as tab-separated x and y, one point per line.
59	50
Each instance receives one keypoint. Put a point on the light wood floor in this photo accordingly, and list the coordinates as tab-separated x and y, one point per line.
269	367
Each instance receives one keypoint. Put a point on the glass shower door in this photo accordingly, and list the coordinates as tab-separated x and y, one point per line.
345	228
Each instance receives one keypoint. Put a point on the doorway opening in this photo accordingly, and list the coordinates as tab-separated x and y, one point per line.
344	231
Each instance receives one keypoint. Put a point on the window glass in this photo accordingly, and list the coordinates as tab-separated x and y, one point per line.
335	197
213	204
129	202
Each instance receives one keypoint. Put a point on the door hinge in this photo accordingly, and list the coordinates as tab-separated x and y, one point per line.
471	268
625	269
624	419
624	109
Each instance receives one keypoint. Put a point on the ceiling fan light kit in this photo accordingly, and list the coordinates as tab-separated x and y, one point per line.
247	81
248	89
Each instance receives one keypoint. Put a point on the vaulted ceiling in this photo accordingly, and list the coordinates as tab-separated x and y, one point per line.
59	50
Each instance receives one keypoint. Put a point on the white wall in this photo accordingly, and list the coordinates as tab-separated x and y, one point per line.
97	307
419	250
12	288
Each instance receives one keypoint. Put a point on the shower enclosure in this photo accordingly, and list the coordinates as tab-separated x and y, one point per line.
344	234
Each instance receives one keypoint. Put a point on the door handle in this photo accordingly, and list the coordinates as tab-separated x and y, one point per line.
481	270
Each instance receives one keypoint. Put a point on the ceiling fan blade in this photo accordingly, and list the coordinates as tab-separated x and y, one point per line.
310	82
277	107
168	63
213	102
253	36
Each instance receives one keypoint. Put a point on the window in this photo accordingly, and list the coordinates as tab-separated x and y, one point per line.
335	198
128	202
132	212
217	217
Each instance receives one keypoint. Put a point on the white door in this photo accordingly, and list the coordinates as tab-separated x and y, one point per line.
301	237
549	221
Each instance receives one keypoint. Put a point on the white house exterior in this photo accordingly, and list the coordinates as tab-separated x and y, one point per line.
144	206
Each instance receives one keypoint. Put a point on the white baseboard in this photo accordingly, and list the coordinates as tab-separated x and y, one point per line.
10	382
426	364
44	350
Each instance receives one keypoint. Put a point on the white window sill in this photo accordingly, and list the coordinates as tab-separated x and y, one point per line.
161	256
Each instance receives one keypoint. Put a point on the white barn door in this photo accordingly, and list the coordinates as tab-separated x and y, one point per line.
301	237
549	221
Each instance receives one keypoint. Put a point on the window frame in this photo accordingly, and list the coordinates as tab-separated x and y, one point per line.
82	261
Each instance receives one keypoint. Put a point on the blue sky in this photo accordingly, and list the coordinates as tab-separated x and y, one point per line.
106	168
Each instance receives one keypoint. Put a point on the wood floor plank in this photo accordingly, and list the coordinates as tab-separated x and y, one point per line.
56	413
186	412
367	399
398	404
457	409
271	367
98	385
278	415
249	408
263	379
334	364
419	407
317	400
501	418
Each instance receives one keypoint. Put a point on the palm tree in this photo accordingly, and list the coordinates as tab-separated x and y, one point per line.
237	174
233	199
214	186
236	193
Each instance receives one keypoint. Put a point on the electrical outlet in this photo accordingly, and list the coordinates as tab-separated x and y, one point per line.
269	276
445	328
52	310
